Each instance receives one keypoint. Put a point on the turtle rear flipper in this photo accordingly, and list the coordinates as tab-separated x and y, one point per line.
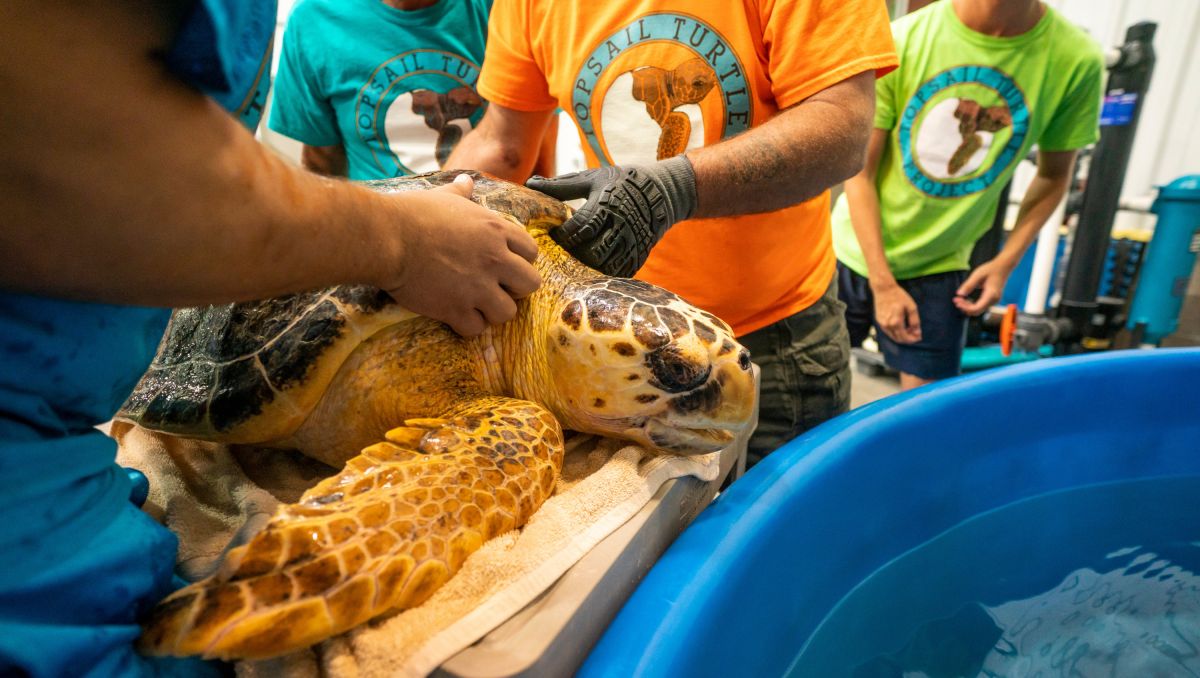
383	534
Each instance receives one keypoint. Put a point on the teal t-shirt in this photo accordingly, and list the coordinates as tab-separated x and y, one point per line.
962	110
395	88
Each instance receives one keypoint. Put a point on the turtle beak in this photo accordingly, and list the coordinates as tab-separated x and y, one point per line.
707	418
666	437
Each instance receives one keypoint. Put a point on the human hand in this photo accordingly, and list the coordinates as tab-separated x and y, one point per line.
989	279
628	210
896	313
462	264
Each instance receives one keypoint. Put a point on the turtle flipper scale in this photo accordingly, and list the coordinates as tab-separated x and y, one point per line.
383	534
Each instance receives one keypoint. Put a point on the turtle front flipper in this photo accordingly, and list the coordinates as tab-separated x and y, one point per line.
383	534
676	129
963	153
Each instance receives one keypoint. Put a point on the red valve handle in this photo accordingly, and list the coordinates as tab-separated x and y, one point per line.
1008	328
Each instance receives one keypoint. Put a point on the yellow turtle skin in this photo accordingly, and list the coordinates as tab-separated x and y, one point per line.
443	442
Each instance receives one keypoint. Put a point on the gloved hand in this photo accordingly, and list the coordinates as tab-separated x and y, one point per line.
628	210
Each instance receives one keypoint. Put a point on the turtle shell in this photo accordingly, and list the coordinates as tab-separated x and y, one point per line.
538	212
251	372
220	367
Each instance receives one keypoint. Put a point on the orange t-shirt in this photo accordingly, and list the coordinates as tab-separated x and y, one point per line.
649	79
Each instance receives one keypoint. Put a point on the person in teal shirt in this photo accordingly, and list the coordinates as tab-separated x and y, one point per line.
980	83
131	183
382	88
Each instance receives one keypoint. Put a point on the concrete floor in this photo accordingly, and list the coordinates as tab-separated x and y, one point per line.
865	389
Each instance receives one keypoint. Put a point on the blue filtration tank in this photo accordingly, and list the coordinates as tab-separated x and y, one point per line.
745	587
1163	280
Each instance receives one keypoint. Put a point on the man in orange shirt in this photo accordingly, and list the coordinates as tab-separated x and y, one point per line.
727	120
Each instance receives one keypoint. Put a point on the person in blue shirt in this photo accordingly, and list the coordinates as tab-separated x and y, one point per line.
129	183
383	88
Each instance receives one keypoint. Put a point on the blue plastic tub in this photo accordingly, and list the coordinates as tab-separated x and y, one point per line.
745	586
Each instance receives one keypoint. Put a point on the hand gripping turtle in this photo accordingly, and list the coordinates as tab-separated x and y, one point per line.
443	442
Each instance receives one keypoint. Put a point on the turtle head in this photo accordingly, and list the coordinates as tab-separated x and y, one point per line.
634	361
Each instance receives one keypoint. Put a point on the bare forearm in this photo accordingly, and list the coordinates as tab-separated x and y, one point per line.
863	201
789	159
547	161
480	152
1042	196
506	143
329	161
143	191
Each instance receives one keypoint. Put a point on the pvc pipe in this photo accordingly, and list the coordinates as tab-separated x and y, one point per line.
1112	57
1043	261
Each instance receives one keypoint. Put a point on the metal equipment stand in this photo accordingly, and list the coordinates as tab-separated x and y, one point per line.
1129	78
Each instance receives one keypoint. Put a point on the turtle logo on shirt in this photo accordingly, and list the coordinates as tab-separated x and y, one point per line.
440	110
665	91
962	130
414	109
658	86
973	119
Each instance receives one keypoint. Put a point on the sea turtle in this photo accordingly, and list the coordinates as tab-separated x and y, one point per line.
443	442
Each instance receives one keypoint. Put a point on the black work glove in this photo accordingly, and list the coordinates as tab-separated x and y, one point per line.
628	210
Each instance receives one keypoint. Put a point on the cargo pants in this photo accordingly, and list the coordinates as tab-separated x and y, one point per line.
804	363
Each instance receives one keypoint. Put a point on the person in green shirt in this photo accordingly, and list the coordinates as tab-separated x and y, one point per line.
980	83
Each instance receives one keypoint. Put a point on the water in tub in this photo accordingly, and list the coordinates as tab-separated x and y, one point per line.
1095	581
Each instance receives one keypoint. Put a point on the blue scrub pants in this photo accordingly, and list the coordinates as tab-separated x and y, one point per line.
81	566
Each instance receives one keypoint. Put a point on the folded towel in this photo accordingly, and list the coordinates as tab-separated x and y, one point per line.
213	495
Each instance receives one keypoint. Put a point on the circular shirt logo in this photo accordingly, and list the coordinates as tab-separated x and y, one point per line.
961	130
415	108
657	87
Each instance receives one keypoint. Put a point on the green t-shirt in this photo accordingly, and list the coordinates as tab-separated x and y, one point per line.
395	88
962	110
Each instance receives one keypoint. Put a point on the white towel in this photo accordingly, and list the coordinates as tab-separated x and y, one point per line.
211	494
